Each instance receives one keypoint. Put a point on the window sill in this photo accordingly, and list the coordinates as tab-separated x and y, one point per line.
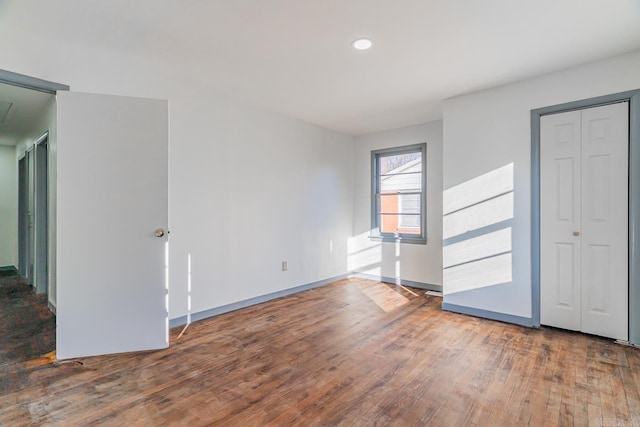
394	239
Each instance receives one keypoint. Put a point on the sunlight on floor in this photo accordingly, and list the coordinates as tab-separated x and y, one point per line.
45	359
384	297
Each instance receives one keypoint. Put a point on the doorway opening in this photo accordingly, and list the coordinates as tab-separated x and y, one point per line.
25	137
27	120
27	212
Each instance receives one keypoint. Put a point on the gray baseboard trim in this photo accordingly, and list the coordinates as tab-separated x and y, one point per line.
398	281
182	320
8	270
502	317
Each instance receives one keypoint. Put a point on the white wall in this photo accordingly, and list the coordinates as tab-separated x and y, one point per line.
489	130
248	188
413	262
8	207
46	121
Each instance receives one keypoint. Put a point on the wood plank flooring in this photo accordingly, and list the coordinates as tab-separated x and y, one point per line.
354	353
27	327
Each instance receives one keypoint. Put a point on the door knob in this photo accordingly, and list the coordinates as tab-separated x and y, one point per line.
159	232
576	233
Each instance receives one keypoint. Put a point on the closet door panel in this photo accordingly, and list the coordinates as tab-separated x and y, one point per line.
560	252
605	158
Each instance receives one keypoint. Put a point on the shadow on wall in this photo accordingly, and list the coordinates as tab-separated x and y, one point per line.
477	223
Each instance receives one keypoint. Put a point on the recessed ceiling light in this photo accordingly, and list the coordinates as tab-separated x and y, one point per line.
362	44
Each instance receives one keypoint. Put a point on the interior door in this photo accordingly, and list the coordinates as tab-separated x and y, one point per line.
560	249
584	220
605	198
112	194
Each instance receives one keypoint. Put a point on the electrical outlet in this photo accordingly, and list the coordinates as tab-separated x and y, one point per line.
284	265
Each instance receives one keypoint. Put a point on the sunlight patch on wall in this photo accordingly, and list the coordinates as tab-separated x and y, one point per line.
480	215
478	274
188	289
364	255
397	266
476	190
166	289
477	232
484	246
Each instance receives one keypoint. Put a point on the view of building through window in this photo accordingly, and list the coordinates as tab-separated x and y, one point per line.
400	193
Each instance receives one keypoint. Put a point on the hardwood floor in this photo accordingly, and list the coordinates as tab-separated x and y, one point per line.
27	327
354	353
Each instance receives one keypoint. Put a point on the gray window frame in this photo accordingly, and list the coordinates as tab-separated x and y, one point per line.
376	235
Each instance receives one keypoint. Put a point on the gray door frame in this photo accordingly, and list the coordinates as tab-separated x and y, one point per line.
29	216
20	80
634	200
41	180
23	194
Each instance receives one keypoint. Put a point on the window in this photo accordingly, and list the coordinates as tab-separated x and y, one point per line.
398	201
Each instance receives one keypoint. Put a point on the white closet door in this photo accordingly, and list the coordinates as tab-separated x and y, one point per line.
605	183
560	273
584	220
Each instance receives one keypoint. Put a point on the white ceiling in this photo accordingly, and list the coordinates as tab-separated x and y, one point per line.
19	108
294	56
